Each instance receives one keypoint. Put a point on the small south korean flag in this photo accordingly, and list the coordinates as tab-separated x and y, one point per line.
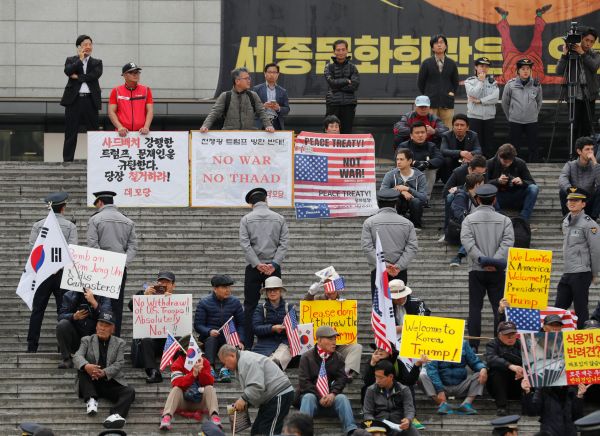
193	354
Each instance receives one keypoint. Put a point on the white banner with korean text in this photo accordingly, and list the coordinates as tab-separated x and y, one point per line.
227	164
144	170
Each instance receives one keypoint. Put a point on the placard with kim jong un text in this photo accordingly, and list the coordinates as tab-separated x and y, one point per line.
226	164
144	170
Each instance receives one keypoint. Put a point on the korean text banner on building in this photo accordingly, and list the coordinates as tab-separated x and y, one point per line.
227	164
144	170
334	175
389	39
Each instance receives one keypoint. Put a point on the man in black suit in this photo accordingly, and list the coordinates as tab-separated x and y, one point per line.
81	98
274	97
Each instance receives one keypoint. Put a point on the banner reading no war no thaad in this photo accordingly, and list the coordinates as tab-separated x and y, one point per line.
227	164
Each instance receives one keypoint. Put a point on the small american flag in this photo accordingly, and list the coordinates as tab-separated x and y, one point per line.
334	285
231	334
290	321
531	320
569	319
322	381
171	347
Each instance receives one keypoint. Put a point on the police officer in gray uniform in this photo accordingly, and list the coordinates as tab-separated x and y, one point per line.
581	253
108	229
521	102
58	202
397	234
264	239
486	236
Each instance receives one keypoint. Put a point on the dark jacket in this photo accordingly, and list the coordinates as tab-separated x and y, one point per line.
401	374
517	169
499	356
394	407
426	152
74	65
451	373
458	178
267	340
308	372
281	96
341	93
451	148
416	306
591	63
402	127
557	407
212	313
461	205
436	85
70	304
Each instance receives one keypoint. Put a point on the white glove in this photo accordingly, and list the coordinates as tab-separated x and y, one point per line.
315	288
595	280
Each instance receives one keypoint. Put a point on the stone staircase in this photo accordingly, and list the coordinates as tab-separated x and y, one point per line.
195	244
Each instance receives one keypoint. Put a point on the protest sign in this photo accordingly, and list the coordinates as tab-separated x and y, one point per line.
144	170
341	315
154	315
543	358
528	278
334	175
437	338
227	164
582	356
99	270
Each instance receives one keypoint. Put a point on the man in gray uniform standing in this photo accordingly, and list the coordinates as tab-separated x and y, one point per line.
486	235
58	202
264	239
108	229
581	253
397	234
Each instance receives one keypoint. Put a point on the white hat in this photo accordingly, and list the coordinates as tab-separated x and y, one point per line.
327	273
398	289
273	283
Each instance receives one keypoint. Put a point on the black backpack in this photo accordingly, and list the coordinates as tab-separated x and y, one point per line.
522	232
218	124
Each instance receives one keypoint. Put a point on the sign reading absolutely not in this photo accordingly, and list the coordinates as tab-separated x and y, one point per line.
154	315
437	338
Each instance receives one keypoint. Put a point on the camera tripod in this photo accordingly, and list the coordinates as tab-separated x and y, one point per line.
571	84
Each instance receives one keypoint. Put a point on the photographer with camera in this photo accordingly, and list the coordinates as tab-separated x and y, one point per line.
579	43
516	187
144	352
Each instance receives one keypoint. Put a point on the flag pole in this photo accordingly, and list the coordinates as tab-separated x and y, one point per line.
226	322
168	332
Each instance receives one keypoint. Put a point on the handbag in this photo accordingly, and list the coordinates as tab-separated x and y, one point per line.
193	394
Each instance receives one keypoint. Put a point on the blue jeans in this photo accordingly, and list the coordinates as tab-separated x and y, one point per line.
310	405
522	198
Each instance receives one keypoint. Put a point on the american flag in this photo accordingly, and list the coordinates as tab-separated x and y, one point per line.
382	314
531	320
322	381
290	321
171	347
335	178
231	334
334	285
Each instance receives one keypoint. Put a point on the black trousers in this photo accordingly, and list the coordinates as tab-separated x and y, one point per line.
151	348
582	125
82	111
525	135
117	305
502	386
481	282
270	416
485	132
402	275
575	288
50	286
254	280
68	338
345	114
211	348
414	208
121	395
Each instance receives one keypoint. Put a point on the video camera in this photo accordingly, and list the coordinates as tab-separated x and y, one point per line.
573	35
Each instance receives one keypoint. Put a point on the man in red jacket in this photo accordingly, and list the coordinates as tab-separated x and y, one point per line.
182	380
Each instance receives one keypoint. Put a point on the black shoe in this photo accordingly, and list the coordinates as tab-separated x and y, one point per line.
32	347
501	11
501	411
66	364
154	377
543	9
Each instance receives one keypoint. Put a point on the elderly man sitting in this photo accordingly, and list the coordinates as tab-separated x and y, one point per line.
333	286
268	324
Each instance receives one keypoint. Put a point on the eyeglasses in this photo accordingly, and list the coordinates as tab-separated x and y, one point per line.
244	78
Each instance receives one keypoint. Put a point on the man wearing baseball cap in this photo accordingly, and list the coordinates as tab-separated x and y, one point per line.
130	106
503	357
434	124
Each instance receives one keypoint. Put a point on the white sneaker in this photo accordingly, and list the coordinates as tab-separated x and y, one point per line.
114	421
92	406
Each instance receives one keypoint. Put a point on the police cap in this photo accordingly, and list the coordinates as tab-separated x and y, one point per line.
56	198
576	193
103	194
254	192
221	280
387	194
483	61
506	422
589	422
486	191
374	426
524	62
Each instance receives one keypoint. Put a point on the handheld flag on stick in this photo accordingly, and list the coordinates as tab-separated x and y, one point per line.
290	321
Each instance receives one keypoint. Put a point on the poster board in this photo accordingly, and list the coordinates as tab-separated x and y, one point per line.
342	315
438	338
155	315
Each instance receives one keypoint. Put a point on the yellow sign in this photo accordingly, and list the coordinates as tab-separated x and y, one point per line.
341	315
437	338
528	278
582	356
